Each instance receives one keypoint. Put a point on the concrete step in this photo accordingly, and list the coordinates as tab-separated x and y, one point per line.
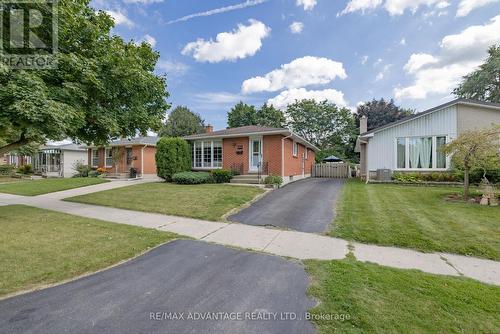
248	176
245	180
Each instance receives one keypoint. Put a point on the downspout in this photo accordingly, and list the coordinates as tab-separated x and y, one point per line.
142	161
283	154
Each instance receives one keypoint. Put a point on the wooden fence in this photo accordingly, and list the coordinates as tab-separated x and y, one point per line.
331	170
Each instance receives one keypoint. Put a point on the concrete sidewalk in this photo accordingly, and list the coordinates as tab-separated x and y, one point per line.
292	244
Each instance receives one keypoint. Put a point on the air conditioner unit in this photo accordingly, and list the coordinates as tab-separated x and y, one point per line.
384	174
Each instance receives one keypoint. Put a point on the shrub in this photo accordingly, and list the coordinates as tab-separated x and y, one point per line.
415	177
93	173
192	178
6	170
476	175
101	170
25	169
173	155
221	175
275	180
81	169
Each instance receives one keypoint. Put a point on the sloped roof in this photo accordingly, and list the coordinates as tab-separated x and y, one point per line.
65	147
148	140
243	130
428	111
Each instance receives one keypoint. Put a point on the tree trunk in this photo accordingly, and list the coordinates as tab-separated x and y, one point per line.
466	184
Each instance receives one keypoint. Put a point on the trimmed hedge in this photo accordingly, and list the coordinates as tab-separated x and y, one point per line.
173	155
192	178
221	175
415	177
6	170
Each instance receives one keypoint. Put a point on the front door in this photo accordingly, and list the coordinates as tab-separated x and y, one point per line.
255	154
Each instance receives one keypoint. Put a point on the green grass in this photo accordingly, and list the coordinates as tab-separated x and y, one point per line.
40	247
203	201
44	186
417	217
7	179
384	300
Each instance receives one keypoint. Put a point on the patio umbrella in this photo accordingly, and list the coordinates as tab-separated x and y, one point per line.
332	158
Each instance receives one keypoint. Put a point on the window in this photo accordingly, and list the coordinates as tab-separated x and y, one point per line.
295	148
440	156
420	153
207	154
306	150
108	154
95	157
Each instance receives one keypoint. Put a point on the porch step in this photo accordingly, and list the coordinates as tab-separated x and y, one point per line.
247	179
118	175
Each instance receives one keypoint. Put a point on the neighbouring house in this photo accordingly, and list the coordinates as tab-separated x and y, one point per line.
58	160
134	153
253	150
414	143
14	159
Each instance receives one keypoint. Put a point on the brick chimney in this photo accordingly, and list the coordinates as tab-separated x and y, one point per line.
363	124
209	129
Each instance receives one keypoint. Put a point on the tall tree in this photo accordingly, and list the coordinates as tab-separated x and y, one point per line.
182	122
241	114
381	112
322	123
268	115
103	87
484	83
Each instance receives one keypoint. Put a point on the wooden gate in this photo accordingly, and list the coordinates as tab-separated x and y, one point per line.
331	170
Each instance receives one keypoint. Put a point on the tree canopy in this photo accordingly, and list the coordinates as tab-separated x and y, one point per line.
484	83
243	114
381	112
103	87
322	123
182	122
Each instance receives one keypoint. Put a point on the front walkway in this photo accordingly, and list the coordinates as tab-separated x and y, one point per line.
292	244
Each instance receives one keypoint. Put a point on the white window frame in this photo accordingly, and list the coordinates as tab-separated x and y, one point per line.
295	149
306	153
106	150
407	154
92	157
201	144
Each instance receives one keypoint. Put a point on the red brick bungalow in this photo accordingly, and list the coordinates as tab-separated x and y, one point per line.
254	150
138	153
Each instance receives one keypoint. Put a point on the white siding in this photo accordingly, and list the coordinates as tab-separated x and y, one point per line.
69	158
381	148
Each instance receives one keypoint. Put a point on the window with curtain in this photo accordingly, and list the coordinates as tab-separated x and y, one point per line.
420	153
207	154
109	157
440	156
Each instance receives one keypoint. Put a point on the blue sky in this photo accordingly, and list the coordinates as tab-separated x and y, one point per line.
216	53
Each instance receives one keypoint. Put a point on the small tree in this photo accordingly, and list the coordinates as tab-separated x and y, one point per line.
116	156
475	149
173	155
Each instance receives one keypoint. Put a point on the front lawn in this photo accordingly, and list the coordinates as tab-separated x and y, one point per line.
203	201
44	186
417	217
40	247
378	299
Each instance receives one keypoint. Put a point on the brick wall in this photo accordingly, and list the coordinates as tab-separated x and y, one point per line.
229	155
149	160
293	164
272	153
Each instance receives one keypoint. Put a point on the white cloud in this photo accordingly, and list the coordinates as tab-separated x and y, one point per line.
148	39
218	98
247	3
120	18
301	72
143	1
290	96
307	4
459	55
378	62
418	60
402	41
364	59
393	7
360	5
240	43
466	6
172	67
296	27
383	72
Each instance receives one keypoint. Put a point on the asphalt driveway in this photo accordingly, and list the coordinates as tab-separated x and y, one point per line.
157	292
306	205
